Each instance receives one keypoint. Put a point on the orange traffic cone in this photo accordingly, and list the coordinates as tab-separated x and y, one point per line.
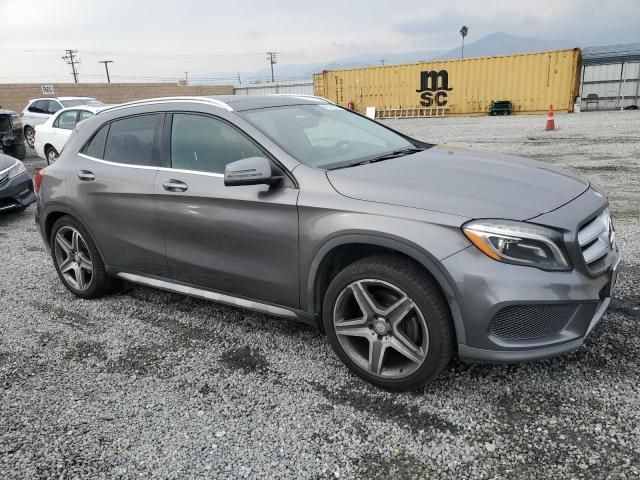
551	124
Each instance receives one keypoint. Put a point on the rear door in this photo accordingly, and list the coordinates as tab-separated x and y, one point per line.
240	240
111	189
61	128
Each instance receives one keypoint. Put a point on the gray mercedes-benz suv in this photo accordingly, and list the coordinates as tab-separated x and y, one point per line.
406	253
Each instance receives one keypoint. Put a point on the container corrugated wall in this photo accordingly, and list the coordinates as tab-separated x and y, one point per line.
296	87
458	87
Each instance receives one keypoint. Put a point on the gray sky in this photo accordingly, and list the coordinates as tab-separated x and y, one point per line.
163	38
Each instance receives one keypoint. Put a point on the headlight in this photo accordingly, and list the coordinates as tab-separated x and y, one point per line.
17	169
518	243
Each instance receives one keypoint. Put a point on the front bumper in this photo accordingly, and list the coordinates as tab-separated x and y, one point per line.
515	313
17	192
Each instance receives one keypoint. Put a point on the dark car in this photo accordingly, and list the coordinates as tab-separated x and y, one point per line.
16	187
405	252
11	136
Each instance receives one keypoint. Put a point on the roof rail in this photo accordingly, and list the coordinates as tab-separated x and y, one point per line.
148	101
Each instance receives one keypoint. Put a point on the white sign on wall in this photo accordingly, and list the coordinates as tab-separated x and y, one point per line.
47	89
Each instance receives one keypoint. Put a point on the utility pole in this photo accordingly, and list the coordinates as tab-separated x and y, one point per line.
382	61
73	61
271	58
106	67
239	80
186	78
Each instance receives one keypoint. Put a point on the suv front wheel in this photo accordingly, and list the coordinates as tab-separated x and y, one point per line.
387	321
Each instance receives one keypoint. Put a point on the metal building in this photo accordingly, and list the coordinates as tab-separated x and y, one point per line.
610	77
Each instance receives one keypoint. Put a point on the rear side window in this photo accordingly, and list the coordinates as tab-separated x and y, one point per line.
39	106
206	144
131	140
95	147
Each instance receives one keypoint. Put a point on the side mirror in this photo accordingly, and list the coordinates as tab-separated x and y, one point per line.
250	171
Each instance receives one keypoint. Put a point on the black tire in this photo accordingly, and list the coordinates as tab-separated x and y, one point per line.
100	283
421	288
48	151
29	136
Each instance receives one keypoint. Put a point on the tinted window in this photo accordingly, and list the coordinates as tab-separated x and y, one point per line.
206	144
95	147
66	120
131	140
39	106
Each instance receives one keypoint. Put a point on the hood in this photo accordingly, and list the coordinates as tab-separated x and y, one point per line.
6	161
462	182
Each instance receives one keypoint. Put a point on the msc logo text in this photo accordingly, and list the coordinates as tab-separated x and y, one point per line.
433	88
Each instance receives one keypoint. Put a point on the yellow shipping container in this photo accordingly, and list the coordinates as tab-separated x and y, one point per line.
530	81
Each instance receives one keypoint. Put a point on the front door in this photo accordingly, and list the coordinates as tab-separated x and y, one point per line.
239	240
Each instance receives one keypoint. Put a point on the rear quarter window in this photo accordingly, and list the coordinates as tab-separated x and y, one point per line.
95	147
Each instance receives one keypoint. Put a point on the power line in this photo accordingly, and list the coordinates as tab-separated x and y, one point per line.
106	67
69	58
271	58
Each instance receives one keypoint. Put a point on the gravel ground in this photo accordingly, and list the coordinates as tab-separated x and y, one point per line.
149	384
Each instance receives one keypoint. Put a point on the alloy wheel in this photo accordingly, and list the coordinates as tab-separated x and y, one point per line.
30	136
52	156
381	328
73	258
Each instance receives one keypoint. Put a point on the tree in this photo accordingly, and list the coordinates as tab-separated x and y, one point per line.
463	32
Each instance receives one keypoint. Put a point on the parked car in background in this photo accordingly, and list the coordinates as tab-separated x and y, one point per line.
406	252
16	187
51	136
11	137
39	110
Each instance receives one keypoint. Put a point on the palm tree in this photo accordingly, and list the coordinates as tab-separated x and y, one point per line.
463	31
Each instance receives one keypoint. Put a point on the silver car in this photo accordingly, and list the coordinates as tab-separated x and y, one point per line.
404	252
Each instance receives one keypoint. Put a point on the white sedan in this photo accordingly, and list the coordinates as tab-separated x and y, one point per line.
51	136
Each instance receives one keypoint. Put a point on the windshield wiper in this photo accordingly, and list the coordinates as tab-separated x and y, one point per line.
385	156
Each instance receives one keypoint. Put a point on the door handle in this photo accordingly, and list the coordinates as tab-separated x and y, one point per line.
86	176
174	186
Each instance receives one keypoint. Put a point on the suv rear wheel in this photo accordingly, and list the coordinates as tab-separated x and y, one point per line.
388	322
77	260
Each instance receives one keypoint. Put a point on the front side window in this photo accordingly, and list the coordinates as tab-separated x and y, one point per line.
205	144
326	136
84	114
131	140
66	120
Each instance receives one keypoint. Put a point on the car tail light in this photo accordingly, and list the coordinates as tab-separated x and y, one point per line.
37	180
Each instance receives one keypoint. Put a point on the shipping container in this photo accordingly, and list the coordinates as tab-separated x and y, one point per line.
531	82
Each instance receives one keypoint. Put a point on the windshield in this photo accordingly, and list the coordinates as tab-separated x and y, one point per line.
80	101
326	136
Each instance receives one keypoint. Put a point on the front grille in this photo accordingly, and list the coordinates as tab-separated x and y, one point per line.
4	179
526	322
597	238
